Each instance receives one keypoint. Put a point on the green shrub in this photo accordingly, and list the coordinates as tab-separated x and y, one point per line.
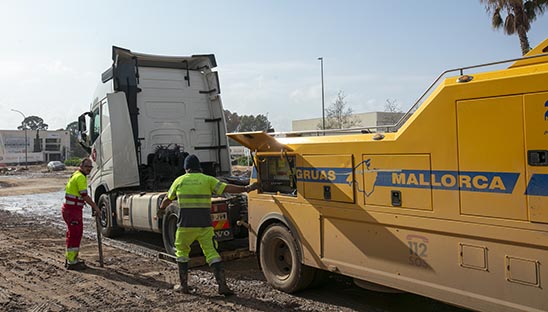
243	161
73	161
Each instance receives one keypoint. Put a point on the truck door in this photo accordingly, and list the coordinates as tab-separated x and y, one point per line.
536	145
119	147
491	157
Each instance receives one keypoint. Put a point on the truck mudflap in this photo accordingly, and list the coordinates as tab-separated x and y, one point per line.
220	220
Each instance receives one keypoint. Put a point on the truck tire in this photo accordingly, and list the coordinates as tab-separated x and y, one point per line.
108	229
280	262
169	227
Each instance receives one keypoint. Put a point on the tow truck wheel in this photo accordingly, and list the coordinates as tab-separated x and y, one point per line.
107	227
280	262
169	227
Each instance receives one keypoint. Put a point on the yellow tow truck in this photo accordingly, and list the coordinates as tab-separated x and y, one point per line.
450	203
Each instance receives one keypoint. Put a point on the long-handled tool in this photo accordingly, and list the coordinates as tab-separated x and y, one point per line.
99	238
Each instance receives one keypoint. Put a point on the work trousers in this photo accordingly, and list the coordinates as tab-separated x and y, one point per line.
75	228
184	237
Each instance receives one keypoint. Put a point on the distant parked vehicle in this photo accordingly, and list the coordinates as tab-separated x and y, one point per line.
56	166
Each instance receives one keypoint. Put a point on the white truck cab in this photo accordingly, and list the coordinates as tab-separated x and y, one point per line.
146	116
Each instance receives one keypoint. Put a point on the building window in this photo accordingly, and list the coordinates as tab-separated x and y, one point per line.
53	144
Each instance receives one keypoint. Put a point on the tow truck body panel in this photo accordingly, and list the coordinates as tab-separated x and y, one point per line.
453	205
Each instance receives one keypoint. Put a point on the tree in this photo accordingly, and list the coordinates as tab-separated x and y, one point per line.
232	121
76	149
391	107
33	123
245	123
519	16
338	116
252	123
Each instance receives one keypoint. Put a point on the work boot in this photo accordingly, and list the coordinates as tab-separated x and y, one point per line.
183	276
79	263
219	272
77	266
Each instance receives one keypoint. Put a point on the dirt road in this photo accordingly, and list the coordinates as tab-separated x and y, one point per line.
33	278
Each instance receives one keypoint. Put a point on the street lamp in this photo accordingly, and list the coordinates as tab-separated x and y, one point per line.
323	96
24	127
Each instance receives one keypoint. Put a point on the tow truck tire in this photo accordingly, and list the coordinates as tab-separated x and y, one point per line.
108	229
169	227
280	261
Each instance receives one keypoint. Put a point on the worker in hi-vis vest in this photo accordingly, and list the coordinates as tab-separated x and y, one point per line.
76	195
193	192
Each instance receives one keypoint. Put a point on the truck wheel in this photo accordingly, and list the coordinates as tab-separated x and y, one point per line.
169	227
280	263
108	229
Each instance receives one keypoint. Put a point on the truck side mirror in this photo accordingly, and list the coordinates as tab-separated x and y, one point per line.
82	130
82	123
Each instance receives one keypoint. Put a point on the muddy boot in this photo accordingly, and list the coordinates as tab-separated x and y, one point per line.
219	272
77	266
183	275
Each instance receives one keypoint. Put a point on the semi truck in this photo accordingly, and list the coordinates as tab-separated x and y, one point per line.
148	113
450	203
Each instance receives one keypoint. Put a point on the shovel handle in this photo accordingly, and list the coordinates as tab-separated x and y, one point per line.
99	239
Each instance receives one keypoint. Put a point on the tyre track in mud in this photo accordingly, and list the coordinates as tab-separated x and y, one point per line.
40	272
33	278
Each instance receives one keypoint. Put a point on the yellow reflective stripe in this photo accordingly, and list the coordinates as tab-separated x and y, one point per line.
72	254
217	187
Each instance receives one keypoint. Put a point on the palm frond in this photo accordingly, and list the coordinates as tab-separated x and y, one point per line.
510	24
496	20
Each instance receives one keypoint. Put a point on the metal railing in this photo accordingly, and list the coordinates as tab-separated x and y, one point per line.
403	119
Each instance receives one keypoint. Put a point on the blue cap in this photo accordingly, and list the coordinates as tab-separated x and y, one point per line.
192	162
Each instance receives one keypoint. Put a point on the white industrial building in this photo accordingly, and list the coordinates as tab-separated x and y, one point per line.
33	146
370	119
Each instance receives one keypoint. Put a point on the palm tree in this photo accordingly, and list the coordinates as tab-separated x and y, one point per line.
519	16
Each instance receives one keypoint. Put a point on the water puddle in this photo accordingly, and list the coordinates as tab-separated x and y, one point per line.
42	207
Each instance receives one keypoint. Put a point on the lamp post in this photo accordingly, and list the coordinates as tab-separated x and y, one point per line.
24	127
323	96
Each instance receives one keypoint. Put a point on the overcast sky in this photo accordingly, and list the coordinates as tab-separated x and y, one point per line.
53	52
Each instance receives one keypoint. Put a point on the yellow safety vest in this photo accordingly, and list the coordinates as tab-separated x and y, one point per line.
193	192
77	186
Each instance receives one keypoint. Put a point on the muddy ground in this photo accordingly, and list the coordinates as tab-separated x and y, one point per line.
33	278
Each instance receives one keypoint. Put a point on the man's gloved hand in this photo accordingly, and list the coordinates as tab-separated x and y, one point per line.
161	212
252	187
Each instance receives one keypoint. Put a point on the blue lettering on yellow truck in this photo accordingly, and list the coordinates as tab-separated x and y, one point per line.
472	181
323	175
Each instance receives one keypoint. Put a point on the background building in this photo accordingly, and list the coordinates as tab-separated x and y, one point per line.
370	119
42	146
